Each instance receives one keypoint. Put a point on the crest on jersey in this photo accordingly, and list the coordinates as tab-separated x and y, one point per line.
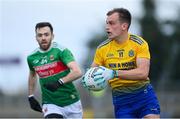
51	57
131	53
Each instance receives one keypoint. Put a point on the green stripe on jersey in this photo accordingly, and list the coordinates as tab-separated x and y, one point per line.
104	43
136	39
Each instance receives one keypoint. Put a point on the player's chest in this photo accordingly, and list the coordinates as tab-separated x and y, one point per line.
43	59
120	54
47	65
121	58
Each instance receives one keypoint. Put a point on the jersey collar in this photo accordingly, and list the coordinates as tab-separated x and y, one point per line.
122	44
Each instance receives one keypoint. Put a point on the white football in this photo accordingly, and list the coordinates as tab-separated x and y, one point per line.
89	81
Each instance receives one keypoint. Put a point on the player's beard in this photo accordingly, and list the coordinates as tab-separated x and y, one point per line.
45	46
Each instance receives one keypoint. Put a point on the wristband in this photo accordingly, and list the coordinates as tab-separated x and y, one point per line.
115	73
61	81
31	96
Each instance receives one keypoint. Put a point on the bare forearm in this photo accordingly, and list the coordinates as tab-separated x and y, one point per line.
31	84
73	75
133	74
31	89
139	73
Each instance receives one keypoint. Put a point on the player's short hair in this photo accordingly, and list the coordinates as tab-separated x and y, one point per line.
44	24
124	15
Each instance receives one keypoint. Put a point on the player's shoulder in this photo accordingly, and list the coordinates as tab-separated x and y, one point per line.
33	52
58	46
137	39
104	44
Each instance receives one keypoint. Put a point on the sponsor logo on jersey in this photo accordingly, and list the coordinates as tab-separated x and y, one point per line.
50	69
73	96
112	65
35	61
154	109
44	60
110	55
124	65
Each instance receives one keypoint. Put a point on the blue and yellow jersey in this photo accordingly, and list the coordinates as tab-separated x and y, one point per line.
123	57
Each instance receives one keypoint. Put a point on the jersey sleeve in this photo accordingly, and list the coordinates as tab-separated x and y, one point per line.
67	56
143	51
30	64
98	58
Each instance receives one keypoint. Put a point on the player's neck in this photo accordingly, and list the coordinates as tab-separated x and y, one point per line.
122	38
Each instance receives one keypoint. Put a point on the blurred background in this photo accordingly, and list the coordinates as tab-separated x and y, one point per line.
80	26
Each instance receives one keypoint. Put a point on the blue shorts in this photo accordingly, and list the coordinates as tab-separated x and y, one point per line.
136	105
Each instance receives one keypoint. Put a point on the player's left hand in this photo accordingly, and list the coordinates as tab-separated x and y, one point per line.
34	104
53	86
105	73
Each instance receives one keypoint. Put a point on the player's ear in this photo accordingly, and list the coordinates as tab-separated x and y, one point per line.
52	36
124	26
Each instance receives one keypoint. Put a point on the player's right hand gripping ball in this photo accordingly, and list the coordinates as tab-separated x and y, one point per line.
91	83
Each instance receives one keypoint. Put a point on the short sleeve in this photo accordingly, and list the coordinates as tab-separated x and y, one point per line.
67	56
30	64
98	59
143	51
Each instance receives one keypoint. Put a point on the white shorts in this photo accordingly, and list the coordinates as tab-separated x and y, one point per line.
71	111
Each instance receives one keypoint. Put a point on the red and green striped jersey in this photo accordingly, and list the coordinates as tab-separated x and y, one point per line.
51	65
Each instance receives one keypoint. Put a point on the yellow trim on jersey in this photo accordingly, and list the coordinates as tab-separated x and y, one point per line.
122	57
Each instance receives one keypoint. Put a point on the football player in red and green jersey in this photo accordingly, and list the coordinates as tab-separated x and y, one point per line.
56	68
